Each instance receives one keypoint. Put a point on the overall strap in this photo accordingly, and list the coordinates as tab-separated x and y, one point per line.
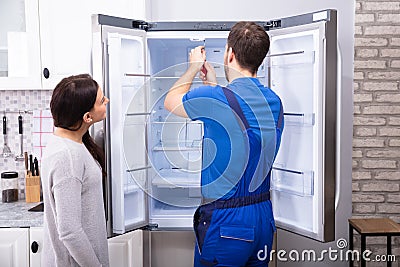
234	104
280	118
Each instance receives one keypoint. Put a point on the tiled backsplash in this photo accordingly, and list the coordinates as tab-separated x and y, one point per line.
11	102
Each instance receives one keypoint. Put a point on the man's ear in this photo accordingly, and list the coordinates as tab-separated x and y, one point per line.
87	117
231	54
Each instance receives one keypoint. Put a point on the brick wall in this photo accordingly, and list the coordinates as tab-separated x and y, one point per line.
376	140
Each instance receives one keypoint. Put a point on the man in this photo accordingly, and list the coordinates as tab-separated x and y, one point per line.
242	129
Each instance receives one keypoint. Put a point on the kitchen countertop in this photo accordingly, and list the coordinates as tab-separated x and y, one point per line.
16	214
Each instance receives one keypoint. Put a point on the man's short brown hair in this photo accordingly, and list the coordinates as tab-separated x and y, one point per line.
250	43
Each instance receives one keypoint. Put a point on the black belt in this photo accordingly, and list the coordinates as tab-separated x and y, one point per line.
235	202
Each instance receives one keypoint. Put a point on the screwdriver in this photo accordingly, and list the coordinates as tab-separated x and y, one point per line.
203	69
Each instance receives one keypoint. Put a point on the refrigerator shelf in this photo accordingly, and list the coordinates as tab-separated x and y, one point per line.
130	188
164	182
167	206
194	145
175	178
171	210
137	75
292	181
177	77
299	119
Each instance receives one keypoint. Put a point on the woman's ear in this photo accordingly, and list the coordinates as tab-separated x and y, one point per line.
87	117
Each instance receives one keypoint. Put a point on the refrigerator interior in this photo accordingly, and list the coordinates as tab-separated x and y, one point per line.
174	143
159	156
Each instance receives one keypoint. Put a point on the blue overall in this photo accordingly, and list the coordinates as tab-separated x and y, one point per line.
243	123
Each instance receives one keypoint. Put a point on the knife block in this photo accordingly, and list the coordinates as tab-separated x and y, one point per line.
32	188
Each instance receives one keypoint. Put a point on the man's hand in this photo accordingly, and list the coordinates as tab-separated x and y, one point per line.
173	100
197	57
208	77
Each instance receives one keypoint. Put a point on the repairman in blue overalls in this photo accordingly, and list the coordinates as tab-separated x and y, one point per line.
243	123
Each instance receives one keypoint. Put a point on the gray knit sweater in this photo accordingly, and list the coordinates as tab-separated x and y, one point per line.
74	221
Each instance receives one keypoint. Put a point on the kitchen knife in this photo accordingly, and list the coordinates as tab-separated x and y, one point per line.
36	166
20	124
4	125
31	165
26	161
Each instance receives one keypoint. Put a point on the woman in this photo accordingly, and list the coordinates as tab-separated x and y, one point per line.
72	170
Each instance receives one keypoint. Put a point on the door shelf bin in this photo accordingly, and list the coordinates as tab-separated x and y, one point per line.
292	181
135	179
291	59
299	119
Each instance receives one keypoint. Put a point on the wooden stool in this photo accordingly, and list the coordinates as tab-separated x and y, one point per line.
373	227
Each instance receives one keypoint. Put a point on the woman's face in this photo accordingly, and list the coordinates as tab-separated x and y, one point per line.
99	110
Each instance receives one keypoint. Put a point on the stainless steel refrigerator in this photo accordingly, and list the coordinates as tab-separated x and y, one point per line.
154	159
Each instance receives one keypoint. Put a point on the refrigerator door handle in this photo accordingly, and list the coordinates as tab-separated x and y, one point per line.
339	116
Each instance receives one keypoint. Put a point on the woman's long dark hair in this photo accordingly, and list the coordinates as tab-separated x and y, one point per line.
71	99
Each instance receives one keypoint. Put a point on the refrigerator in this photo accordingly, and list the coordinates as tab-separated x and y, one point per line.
154	158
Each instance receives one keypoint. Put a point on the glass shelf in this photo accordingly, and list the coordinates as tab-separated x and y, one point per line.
177	77
173	178
168	207
194	145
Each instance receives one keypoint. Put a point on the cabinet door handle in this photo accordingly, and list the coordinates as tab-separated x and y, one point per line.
34	247
46	73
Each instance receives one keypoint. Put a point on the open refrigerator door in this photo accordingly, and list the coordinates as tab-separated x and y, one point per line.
126	131
301	62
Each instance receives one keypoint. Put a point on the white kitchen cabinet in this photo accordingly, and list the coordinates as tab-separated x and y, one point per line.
14	251
66	34
19	45
35	246
127	249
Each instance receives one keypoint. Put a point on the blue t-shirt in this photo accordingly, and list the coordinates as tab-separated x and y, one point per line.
235	164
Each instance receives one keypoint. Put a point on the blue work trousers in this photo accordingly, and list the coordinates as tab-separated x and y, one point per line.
240	236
